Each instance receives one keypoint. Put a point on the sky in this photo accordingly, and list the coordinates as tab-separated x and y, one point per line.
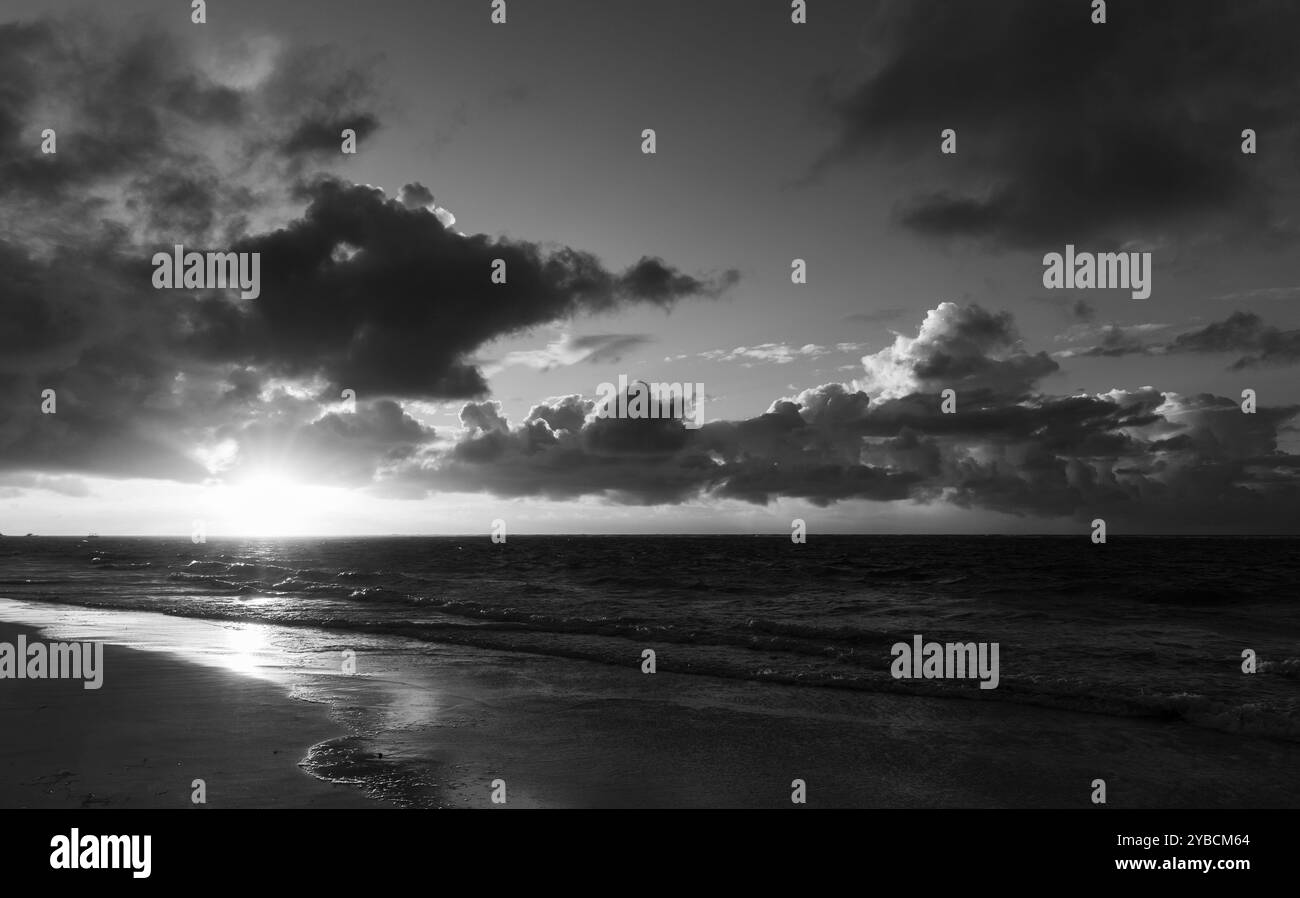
775	141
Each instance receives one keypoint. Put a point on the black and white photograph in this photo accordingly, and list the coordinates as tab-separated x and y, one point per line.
644	405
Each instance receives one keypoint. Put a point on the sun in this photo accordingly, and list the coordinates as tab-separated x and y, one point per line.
265	503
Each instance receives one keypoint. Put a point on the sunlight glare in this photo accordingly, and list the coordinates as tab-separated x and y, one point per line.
268	503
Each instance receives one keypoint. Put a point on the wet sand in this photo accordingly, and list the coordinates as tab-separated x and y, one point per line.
157	724
423	725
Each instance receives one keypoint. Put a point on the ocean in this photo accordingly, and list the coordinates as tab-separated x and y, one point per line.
1138	629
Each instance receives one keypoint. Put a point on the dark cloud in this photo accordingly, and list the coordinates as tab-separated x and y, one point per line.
1240	332
77	323
650	279
1243	332
358	291
1116	341
380	295
115	119
558	455
127	104
1142	459
1070	131
401	314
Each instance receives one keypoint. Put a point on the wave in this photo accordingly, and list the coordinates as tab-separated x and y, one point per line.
753	613
216	583
623	641
1287	667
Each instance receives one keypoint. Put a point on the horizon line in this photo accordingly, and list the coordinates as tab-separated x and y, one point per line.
480	535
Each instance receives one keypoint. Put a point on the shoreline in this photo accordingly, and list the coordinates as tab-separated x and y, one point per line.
268	713
154	726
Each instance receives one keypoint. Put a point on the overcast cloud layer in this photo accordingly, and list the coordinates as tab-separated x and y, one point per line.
1073	132
383	294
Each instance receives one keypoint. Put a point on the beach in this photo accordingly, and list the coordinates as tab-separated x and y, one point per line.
418	725
157	724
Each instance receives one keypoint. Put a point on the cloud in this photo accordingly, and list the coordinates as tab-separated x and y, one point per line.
1144	459
401	315
1240	332
153	134
288	434
958	347
1263	293
1071	132
1243	332
594	349
1114	340
159	145
417	196
773	353
15	483
377	294
325	136
1072	307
